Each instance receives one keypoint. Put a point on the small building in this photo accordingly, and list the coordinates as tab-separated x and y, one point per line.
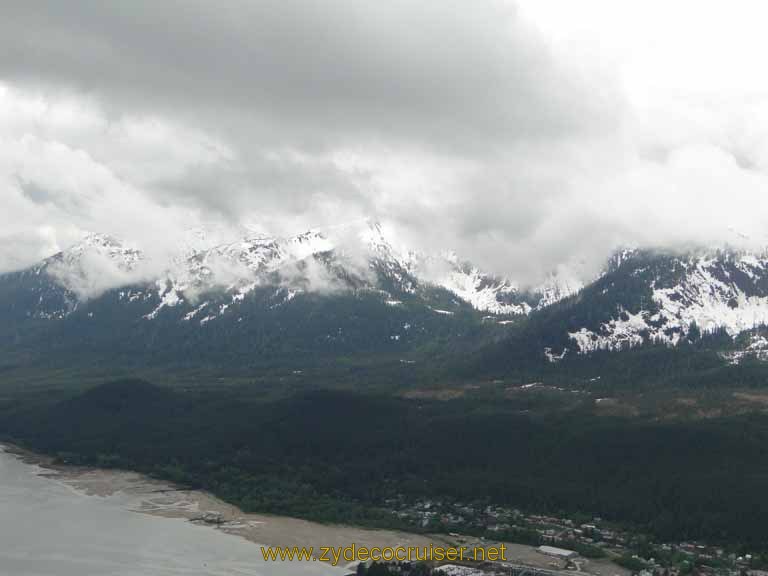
561	553
457	570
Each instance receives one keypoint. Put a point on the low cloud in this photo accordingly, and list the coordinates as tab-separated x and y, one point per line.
94	273
489	128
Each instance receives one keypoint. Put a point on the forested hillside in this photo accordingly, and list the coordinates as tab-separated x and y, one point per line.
340	456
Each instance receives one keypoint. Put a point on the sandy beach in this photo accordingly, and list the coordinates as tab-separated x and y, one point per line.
150	496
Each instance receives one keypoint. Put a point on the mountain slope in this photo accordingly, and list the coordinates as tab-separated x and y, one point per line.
252	303
716	300
663	297
313	298
310	262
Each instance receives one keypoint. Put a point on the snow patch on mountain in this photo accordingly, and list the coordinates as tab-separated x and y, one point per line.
483	292
359	255
498	295
756	348
624	332
714	291
557	286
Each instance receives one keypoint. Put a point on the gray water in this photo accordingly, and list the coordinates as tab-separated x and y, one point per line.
49	529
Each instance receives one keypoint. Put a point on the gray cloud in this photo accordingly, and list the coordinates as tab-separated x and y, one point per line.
22	248
434	73
458	123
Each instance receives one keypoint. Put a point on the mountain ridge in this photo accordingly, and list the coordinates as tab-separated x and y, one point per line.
261	297
256	259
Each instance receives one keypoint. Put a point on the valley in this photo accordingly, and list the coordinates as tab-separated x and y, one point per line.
357	402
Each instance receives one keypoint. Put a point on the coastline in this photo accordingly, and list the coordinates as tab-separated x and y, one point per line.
161	498
145	495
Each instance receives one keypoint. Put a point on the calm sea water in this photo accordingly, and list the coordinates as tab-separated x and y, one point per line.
49	529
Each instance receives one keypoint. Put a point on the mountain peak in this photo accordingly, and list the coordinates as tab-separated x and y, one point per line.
655	295
97	244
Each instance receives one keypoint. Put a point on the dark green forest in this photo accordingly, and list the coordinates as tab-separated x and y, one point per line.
339	456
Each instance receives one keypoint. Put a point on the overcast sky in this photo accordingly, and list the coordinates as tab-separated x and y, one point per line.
525	135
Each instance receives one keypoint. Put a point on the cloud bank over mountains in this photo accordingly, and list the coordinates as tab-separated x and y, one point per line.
488	127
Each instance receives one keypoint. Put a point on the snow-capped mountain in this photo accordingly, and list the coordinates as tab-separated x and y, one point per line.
58	284
651	296
113	249
350	291
254	302
641	296
314	261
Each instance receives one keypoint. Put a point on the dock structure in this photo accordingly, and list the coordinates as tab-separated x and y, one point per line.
555	552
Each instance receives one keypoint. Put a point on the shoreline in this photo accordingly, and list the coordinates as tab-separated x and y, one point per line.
162	498
146	495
